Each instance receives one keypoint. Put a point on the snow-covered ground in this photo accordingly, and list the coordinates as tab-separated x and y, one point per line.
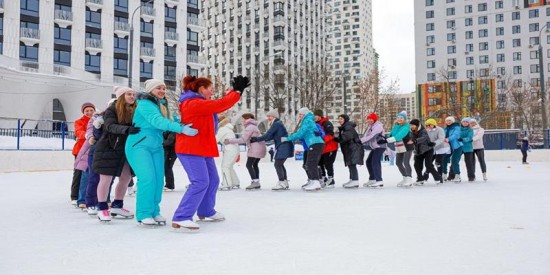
497	227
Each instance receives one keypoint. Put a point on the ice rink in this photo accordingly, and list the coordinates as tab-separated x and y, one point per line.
497	227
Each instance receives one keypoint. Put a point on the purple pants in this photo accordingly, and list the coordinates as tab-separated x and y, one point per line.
200	197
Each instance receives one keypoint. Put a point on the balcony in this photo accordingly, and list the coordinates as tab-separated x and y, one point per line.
279	21
94	46
195	24
94	5
147	54
122	29
172	3
279	45
279	69
148	14
63	18
194	60
171	38
30	36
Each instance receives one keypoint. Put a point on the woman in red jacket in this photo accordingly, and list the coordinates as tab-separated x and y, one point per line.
80	126
196	153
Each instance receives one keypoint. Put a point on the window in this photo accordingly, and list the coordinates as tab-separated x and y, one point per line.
469	74
451	24
501	70
30	7
1	25
468	22
431	76
500	44
516	15
430	39
516	29
499	17
516	56
146	28
470	60
192	38
450	11
451	74
430	51
534	27
517	69
483	33
431	64
534	68
500	57
533	13
534	40
430	26
483	46
170	72
120	45
169	53
62	36
193	72
468	9
93	19
193	3
92	63
500	31
534	54
120	67
482	7
482	20
451	62
28	53
62	57
451	37
145	69
170	14
469	34
469	47
499	5
516	43
434	101
483	59
451	49
121	5
429	14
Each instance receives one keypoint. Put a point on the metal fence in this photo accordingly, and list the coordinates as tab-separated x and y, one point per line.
511	139
30	134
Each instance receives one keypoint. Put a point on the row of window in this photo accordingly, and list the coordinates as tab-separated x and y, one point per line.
484	59
516	70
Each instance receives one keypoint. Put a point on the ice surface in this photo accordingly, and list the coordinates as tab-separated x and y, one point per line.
497	227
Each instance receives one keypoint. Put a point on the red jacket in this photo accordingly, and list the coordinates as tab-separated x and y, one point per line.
199	111
330	144
80	126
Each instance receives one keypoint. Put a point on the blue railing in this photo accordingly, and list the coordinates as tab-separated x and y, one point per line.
28	134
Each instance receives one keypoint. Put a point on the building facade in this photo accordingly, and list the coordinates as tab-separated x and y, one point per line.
70	52
471	52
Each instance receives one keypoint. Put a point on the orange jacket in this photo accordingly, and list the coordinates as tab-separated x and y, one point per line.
80	126
201	112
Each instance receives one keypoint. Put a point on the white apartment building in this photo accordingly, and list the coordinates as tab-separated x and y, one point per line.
57	54
269	40
474	39
350	48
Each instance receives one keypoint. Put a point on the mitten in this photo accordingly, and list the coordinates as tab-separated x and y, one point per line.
431	144
382	141
240	83
253	139
283	139
133	130
188	131
391	140
98	122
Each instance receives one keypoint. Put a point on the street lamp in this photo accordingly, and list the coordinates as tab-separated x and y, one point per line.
131	44
256	99
542	90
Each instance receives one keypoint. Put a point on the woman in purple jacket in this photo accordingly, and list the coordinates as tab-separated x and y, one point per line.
374	131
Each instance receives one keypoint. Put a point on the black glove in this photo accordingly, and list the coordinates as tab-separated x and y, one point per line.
133	130
317	133
382	141
337	139
460	139
431	144
253	139
240	83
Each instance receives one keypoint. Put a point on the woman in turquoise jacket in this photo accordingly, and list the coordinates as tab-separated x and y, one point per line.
145	152
403	147
452	136
309	133
467	137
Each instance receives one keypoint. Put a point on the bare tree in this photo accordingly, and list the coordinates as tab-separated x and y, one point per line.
450	102
313	83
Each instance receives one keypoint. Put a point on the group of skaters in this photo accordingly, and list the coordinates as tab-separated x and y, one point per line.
137	135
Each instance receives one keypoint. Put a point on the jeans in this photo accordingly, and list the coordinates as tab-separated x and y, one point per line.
280	169
252	167
82	188
404	163
374	164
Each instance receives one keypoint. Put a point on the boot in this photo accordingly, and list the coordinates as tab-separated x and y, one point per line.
408	182
104	215
351	184
148	221
444	177
91	210
160	220
457	178
368	183
306	184
419	182
314	185
399	184
485	176
376	184
217	217
122	212
281	185
255	185
224	187
186	226
330	182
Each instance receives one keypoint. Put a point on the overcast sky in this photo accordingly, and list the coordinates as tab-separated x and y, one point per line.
393	31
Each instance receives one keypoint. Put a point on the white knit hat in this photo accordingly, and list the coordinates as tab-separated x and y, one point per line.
451	119
274	113
151	84
303	111
120	90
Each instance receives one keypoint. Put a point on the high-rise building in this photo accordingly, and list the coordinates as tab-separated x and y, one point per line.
64	52
471	49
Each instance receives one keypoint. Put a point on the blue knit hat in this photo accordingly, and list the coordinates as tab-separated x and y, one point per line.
467	119
403	114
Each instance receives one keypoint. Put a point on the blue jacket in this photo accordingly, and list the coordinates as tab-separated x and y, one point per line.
401	133
276	132
452	132
467	136
307	130
525	145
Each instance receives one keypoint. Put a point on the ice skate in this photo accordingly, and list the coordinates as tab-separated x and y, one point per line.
82	207
351	184
472	180
165	189
255	185
399	184
104	216
218	217
376	184
281	185
314	185
444	177
457	179
419	183
306	184
186	226
236	187
408	182
484	176
224	187
368	183
91	210
74	203
525	162
160	220
148	222
122	212
330	183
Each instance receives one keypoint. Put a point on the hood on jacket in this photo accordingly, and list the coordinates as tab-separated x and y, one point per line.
189	95
323	120
348	125
226	122
251	122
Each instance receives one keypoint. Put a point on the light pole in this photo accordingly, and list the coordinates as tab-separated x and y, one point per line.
256	99
542	91
131	44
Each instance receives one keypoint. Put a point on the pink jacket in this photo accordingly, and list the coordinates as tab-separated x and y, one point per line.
81	161
256	149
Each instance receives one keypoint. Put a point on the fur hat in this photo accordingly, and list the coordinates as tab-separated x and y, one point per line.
403	114
451	119
415	122
274	113
318	112
151	84
431	121
120	90
86	105
373	116
304	111
466	119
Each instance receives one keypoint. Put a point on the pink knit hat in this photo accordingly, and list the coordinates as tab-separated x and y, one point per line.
120	90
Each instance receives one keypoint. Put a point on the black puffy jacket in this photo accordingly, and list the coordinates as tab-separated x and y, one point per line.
351	145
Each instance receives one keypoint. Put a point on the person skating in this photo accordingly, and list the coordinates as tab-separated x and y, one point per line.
375	130
81	163
271	154
329	153
277	131
256	150
80	126
437	136
524	149
479	148
230	180
93	178
352	149
308	132
466	137
169	146
452	134
399	135
197	153
423	152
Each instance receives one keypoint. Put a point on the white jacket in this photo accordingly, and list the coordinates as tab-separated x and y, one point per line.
478	137
437	136
225	131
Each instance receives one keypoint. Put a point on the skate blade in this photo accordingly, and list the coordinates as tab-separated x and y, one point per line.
180	229
351	187
312	190
281	189
210	220
142	225
253	189
120	217
374	187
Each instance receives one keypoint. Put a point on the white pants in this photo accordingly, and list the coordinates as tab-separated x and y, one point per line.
229	176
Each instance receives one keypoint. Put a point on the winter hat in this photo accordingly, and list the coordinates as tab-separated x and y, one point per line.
451	119
415	122
525	138
86	105
274	113
151	84
373	116
345	117
318	112
473	120
431	121
120	90
304	111
466	119
403	114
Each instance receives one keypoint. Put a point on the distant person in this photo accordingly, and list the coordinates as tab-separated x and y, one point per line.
437	136
230	180
479	148
399	136
466	137
80	126
271	153
524	148
374	132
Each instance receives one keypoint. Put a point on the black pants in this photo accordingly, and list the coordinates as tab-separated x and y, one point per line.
469	159
374	164
438	166
327	162
480	154
280	168
252	166
75	185
314	153
427	160
353	173
524	153
169	159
